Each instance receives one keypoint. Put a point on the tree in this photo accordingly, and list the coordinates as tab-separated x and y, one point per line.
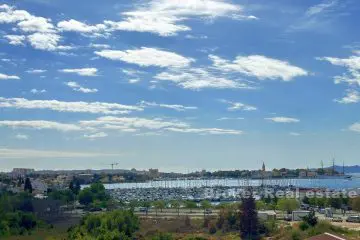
249	224
75	186
205	205
355	204
311	219
28	186
190	205
110	225
260	205
159	205
176	204
86	197
288	205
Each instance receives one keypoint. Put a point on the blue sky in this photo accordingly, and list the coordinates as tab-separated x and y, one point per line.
179	85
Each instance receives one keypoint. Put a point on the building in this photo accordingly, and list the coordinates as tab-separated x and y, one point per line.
38	186
154	173
267	215
21	172
298	215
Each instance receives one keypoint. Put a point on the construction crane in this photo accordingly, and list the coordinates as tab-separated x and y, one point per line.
113	164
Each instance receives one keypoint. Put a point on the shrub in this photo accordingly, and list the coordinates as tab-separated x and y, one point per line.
304	226
295	235
162	236
212	228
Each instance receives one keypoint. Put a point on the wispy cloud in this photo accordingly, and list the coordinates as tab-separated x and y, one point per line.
61	106
283	120
13	153
88	72
78	88
236	106
146	57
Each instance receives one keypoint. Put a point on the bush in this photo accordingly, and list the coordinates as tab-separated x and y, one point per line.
304	226
115	225
162	236
295	235
212	228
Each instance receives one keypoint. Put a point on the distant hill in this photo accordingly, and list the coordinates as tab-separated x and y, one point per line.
348	169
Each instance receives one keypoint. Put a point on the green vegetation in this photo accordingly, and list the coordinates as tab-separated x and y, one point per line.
16	217
288	205
94	196
111	225
249	223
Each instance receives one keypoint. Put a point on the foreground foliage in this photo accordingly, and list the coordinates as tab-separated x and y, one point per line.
106	226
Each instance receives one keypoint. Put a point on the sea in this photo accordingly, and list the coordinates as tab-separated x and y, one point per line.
333	183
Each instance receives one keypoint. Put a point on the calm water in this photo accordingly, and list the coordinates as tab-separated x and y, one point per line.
320	183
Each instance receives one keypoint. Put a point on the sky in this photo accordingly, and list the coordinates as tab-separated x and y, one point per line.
179	85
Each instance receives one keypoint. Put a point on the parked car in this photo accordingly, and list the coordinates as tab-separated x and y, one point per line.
354	219
208	211
337	219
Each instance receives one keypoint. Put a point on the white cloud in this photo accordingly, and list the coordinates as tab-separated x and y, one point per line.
146	57
355	127
16	39
227	118
37	91
36	71
99	46
134	80
295	134
235	106
283	120
164	17
352	96
350	78
10	153
129	124
44	41
96	135
80	27
353	67
176	107
189	36
319	8
260	67
37	24
54	105
199	78
78	88
132	123
8	77
203	131
41	125
89	72
21	136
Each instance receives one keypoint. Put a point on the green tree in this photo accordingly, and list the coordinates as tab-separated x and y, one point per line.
176	204
28	186
75	186
159	205
311	219
190	205
205	205
288	205
86	196
111	225
249	224
355	204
